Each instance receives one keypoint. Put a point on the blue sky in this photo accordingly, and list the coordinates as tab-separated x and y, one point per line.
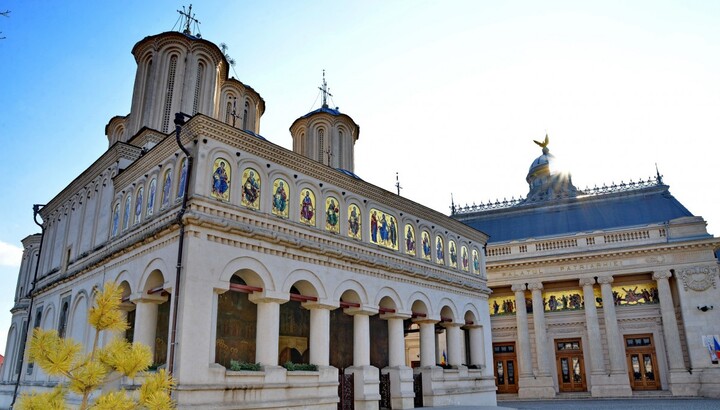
449	94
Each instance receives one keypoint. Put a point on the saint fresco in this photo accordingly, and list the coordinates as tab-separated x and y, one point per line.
182	180
464	259
453	255
439	251
409	240
138	205
383	229
167	182
221	180
251	188
354	222
426	246
151	196
280	198
332	215
307	207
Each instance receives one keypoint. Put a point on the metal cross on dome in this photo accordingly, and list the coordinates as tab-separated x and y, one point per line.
188	18
325	91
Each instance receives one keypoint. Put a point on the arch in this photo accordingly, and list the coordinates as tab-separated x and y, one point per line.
419	302
448	309
146	282
353	291
307	282
10	354
471	314
251	270
388	297
48	317
78	317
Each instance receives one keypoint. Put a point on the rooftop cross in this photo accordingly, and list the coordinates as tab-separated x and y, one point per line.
188	18
325	91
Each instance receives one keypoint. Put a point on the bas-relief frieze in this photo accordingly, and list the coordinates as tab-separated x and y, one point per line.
698	278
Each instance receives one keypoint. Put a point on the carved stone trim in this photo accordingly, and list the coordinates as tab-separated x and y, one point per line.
698	278
605	280
535	286
518	287
587	281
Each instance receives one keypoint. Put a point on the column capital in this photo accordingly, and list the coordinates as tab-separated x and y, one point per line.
518	287
396	315
662	274
535	286
142	297
587	281
605	280
362	310
269	296
426	320
320	304
451	324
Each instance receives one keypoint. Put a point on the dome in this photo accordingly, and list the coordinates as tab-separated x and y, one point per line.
545	181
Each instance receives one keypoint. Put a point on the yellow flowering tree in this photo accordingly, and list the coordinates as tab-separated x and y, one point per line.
87	372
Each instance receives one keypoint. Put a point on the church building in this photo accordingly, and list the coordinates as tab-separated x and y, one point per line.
608	291
260	277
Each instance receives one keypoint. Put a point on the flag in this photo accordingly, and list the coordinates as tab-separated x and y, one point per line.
444	358
717	347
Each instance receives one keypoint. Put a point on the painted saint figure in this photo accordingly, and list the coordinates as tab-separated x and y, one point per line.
332	215
220	181
439	251
373	227
166	189
410	240
354	223
139	204
383	229
393	232
280	199
476	262
151	197
251	189
183	179
426	245
116	220
453	254
307	209
465	261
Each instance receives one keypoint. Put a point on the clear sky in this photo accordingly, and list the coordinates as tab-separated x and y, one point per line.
449	94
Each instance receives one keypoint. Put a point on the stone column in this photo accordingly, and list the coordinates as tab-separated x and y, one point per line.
454	344
618	381
401	375
319	332
477	345
427	343
267	335
367	377
541	340
146	312
681	382
523	336
597	361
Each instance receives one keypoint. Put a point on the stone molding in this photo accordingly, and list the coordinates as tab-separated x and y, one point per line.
698	278
535	286
663	274
587	282
518	287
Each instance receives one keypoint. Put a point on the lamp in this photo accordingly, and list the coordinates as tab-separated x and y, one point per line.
705	308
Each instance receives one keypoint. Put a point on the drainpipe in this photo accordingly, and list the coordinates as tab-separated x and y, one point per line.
23	341
179	122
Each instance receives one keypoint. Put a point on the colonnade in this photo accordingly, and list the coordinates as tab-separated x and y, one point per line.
535	377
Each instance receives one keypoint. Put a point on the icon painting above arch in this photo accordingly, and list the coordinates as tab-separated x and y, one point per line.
221	180
281	191
383	229
251	188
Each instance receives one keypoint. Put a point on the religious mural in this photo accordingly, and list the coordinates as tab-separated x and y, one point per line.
251	188
332	215
502	305
409	240
126	213
464	259
167	183
563	300
383	229
439	250
116	220
138	205
152	189
221	180
281	191
307	207
475	261
354	222
635	294
426	246
453	255
182	180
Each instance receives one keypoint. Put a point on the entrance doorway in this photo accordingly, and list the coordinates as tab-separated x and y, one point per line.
505	367
642	363
571	370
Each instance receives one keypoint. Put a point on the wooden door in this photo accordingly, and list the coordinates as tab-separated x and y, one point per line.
505	367
570	366
642	362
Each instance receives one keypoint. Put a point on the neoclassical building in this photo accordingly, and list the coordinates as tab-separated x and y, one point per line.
607	290
242	261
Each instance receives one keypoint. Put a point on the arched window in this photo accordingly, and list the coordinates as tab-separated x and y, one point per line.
64	311
245	115
198	85
341	144
169	93
228	113
146	86
321	145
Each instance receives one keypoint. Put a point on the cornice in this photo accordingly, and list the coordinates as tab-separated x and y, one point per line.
206	126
